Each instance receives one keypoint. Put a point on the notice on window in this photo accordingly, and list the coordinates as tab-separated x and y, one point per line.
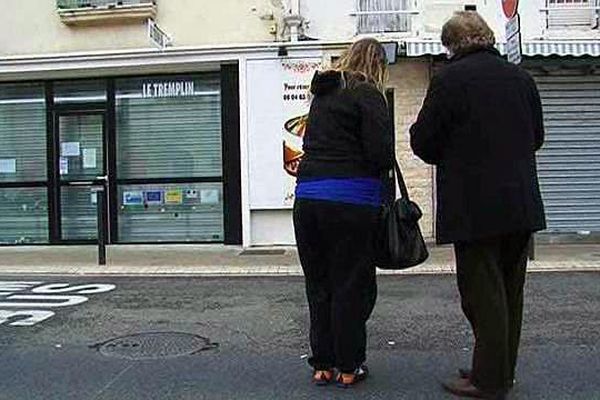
89	159
64	165
8	166
209	196
191	194
134	198
153	197
94	197
70	149
174	197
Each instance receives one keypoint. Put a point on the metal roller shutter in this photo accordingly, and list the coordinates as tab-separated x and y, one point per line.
569	163
171	137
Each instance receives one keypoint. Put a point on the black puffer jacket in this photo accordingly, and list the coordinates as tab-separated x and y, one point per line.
349	132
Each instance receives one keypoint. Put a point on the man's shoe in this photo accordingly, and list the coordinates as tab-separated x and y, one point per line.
464	388
465	373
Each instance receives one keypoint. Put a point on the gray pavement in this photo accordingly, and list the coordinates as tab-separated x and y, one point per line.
417	338
218	260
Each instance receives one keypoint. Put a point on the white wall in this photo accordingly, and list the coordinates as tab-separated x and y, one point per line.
34	26
331	20
272	228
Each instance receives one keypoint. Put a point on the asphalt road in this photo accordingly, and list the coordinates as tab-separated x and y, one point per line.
418	337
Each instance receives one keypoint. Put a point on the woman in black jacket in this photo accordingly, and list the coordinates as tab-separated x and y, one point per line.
348	150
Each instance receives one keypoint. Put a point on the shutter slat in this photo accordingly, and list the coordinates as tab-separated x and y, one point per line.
569	162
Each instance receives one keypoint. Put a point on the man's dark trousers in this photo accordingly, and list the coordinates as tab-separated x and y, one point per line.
491	275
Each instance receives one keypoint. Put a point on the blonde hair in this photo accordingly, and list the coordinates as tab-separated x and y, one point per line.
364	60
467	32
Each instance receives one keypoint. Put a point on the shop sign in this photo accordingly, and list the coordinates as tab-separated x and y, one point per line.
168	89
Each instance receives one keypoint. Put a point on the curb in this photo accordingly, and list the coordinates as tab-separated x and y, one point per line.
259	271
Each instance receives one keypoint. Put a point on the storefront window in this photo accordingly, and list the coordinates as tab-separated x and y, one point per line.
22	133
80	92
23	215
78	213
169	127
171	213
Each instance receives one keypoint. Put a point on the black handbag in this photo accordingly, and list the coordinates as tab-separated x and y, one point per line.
399	242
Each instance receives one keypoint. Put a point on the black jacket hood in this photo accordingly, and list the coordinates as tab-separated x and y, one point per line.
325	82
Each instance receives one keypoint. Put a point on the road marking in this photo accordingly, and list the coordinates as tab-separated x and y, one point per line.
65	301
32	317
34	299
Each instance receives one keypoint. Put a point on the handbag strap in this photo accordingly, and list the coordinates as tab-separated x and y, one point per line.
400	179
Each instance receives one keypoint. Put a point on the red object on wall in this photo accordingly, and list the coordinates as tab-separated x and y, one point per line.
510	8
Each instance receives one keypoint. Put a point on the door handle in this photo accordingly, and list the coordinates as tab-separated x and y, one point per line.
90	183
102	178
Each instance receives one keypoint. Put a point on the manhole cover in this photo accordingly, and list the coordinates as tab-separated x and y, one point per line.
157	345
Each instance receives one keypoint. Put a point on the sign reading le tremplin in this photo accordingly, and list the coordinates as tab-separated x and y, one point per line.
168	89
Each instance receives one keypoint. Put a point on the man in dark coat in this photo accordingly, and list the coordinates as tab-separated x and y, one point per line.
481	125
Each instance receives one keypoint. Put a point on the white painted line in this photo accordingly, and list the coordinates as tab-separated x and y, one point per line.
65	301
39	298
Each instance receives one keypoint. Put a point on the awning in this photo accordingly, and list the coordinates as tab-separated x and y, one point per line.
563	48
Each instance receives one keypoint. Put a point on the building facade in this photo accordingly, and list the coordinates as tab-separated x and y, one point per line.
184	115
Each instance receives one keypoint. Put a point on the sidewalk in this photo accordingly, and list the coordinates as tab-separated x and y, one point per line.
208	260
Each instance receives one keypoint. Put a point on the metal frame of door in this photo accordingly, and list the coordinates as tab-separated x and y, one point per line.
55	176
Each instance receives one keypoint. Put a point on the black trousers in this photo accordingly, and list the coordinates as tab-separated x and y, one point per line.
491	275
335	248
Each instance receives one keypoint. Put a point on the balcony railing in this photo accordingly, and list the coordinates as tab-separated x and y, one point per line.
385	16
80	12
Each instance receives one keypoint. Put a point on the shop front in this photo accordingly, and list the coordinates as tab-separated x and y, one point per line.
163	148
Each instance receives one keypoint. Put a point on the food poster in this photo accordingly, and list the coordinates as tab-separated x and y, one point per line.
278	102
297	76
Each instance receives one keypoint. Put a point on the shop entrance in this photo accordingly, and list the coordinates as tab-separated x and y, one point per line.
81	174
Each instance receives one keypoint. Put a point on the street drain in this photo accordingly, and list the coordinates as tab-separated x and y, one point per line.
153	346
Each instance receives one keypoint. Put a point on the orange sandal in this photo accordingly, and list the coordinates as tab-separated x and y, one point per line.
345	380
322	377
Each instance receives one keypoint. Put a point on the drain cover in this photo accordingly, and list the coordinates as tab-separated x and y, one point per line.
157	345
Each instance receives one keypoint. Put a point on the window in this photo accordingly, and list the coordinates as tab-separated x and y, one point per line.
23	215
567	14
72	92
186	212
169	127
378	16
169	159
22	133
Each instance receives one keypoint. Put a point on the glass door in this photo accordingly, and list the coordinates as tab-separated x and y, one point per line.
82	174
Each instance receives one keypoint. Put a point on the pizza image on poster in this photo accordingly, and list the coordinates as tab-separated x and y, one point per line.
292	155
